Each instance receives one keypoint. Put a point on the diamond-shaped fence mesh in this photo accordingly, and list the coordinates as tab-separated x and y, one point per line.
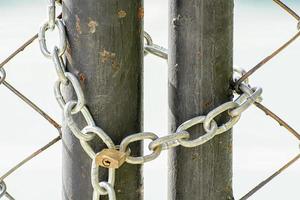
161	52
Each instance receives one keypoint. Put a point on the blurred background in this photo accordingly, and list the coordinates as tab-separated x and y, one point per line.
260	145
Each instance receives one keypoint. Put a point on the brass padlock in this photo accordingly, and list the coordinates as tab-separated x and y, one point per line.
110	158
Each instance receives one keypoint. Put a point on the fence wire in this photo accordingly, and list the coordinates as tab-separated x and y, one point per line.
267	111
159	51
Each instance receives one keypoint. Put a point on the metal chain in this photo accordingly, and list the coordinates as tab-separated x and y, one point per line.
73	107
114	156
154	49
51	14
111	157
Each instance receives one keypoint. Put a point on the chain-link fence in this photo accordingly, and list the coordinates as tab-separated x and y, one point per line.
113	157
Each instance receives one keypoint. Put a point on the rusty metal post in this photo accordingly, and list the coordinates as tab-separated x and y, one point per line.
105	52
200	71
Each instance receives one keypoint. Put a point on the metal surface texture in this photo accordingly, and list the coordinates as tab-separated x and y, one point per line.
200	72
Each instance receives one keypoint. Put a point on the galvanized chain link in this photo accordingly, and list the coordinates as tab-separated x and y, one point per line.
113	157
154	49
51	14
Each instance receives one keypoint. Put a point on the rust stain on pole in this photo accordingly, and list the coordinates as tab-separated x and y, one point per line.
122	14
92	25
141	13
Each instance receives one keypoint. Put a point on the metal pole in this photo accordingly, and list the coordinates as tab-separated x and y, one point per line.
105	52
200	72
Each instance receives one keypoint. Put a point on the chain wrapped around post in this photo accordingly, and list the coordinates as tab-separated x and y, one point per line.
113	157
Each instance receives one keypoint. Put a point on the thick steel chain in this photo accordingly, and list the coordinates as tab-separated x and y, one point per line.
154	49
75	106
113	157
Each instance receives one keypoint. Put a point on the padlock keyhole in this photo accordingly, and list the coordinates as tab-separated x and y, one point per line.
106	163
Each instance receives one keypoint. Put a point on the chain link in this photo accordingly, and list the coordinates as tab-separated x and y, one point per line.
140	137
95	178
59	66
73	126
101	134
169	141
217	111
252	97
200	140
62	38
80	102
109	189
149	41
154	49
51	14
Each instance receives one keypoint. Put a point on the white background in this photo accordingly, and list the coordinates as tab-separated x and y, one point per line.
260	145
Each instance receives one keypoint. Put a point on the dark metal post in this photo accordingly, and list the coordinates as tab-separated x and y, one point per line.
200	71
105	52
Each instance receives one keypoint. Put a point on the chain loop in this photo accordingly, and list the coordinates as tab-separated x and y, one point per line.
157	50
149	41
241	99
138	137
2	75
248	91
88	130
58	95
59	66
110	190
154	49
80	103
87	148
247	103
200	140
73	126
95	178
169	141
62	37
51	14
217	111
2	189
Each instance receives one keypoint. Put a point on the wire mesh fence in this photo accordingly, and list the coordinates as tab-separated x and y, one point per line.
161	52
